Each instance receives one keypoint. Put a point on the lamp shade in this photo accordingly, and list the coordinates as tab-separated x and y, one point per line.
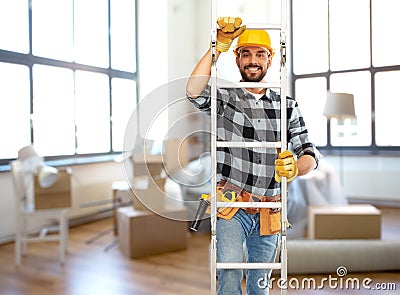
47	176
26	153
340	106
29	157
33	163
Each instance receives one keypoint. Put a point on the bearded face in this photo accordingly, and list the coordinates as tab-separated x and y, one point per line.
253	63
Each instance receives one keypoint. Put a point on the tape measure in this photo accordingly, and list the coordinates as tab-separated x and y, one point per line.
229	196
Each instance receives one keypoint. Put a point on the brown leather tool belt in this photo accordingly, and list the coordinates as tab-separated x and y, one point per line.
225	186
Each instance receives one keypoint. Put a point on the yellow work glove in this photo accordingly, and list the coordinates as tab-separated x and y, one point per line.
229	29
286	166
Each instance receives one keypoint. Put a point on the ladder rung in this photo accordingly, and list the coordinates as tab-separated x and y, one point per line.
263	26
248	144
249	204
243	265
226	84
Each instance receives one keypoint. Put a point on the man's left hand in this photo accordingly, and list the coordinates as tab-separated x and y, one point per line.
285	166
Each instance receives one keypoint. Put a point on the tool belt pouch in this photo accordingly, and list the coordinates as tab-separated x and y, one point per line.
222	187
225	213
228	212
273	222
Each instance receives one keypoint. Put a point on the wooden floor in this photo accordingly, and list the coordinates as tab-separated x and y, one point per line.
90	269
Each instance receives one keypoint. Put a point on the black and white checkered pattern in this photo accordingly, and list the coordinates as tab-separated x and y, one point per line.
241	117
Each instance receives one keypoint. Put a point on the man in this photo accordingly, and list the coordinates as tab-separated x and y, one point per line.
251	114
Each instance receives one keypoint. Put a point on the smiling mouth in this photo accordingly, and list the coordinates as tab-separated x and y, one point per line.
252	69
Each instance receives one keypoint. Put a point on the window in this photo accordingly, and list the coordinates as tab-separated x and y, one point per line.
68	76
53	110
351	47
15	108
386	108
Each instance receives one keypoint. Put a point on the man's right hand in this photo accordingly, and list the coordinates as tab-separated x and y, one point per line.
229	29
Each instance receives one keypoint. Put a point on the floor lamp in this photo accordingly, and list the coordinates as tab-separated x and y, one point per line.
339	106
35	164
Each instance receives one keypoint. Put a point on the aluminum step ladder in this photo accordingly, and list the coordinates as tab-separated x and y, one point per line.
282	265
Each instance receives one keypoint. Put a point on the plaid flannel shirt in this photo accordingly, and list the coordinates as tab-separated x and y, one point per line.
241	117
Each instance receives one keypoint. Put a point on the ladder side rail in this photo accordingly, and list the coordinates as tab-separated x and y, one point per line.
213	220
284	127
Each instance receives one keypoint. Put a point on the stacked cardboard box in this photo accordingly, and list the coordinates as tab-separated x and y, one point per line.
150	226
143	233
56	196
147	185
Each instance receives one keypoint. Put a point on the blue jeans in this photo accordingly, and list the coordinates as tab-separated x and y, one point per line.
231	235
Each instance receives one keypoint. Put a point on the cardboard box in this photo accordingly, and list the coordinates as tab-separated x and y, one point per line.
344	222
175	155
56	196
148	193
142	233
122	197
174	158
148	183
147	164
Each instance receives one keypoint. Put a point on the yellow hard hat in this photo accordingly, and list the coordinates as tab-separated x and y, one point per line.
254	38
